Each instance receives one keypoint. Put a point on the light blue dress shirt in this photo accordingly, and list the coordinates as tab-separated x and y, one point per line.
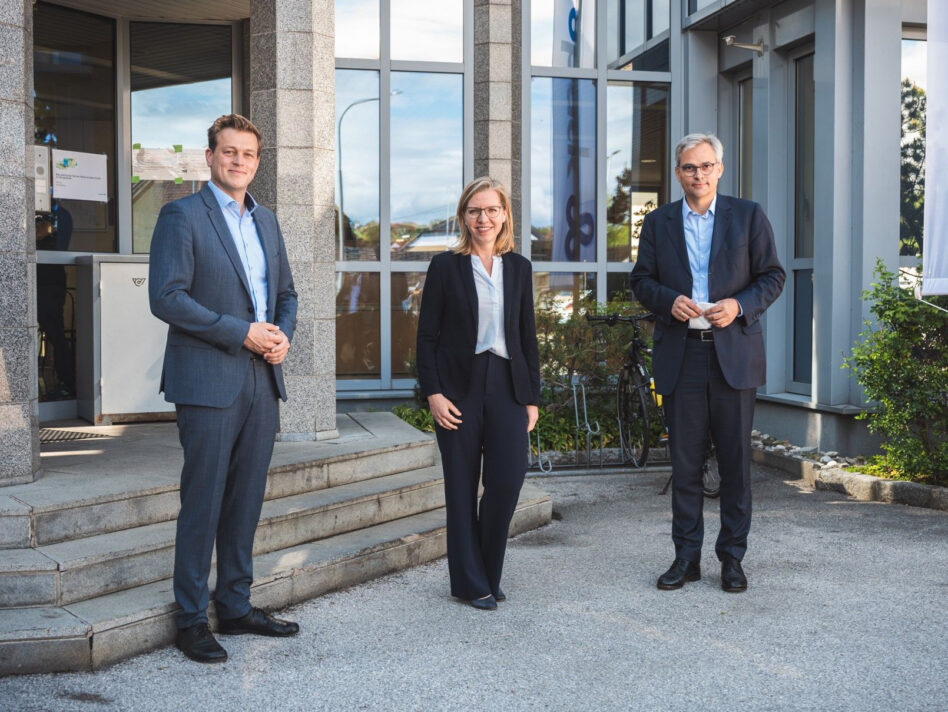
698	232
243	230
490	307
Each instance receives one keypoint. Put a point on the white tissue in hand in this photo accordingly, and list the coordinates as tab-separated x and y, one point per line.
699	322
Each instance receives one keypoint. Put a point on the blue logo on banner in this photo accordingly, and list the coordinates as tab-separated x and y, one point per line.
572	23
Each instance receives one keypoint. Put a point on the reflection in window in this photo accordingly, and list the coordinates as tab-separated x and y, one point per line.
357	29
427	163
636	162
74	110
803	325
56	316
406	304
695	5
912	185
357	325
357	164
428	30
804	158
563	169
562	34
564	292
745	147
617	287
637	35
180	82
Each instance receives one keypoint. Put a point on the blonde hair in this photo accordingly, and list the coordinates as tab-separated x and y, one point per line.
505	240
231	121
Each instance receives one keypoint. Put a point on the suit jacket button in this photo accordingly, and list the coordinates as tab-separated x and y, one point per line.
250	310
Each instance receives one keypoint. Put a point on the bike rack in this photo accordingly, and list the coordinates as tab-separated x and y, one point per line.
579	391
544	464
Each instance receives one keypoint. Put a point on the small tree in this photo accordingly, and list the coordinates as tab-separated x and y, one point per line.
902	364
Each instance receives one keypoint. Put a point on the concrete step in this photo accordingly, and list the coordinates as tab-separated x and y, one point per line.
70	571
139	470
103	630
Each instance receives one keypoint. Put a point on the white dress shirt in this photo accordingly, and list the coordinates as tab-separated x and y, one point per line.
490	307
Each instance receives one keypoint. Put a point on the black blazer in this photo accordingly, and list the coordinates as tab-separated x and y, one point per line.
447	327
743	265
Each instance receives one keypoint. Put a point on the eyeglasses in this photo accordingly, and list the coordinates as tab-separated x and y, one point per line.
493	212
690	169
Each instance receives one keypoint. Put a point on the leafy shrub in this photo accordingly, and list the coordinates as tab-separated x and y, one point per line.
902	364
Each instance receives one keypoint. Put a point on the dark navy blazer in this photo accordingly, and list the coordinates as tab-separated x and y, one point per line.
198	286
743	264
447	327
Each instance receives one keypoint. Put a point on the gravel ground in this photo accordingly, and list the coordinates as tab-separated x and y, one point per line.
845	611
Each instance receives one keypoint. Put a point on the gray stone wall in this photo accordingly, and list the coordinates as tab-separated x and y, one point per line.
497	91
19	436
292	101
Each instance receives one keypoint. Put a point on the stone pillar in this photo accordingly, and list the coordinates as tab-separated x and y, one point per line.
19	434
292	101
497	94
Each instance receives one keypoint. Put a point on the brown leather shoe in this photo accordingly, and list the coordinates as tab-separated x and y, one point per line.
680	572
258	622
199	644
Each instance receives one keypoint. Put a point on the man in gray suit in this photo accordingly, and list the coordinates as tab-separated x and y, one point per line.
220	278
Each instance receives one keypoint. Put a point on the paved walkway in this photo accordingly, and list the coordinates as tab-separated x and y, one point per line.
845	611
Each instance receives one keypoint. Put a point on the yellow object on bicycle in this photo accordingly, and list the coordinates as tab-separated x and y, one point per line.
657	397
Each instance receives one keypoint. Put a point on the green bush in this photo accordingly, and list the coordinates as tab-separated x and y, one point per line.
902	364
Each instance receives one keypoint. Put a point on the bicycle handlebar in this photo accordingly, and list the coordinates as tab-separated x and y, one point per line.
613	319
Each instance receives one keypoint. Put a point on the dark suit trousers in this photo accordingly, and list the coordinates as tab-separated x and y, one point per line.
226	457
703	402
493	423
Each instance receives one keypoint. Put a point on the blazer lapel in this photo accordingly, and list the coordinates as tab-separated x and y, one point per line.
676	233
223	233
722	221
268	238
508	292
467	279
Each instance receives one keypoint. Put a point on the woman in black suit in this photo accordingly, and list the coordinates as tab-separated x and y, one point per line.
479	369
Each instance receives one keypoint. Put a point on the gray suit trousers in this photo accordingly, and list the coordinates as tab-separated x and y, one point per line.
226	458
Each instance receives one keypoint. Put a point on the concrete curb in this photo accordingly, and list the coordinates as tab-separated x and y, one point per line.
866	488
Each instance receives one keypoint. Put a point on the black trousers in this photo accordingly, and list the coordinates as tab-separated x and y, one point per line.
703	402
493	427
226	457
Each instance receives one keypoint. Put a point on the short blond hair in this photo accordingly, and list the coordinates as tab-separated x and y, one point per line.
505	240
231	121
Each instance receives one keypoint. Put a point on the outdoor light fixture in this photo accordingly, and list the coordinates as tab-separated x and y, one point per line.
729	40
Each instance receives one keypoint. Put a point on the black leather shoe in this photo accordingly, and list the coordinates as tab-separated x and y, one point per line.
488	603
499	596
733	579
199	644
679	574
258	622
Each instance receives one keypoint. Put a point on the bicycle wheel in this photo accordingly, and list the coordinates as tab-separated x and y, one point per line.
710	478
632	413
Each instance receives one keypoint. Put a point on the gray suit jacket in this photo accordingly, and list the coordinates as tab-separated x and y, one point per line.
743	264
197	285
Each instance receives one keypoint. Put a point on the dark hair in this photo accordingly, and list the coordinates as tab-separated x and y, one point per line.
230	121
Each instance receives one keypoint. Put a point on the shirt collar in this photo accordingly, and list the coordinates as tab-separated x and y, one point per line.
225	201
686	209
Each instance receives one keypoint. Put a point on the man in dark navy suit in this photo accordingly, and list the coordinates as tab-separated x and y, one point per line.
220	278
707	268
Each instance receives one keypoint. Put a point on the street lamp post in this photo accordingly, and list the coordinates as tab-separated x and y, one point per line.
339	160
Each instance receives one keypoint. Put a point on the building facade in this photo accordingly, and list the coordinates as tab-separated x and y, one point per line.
376	112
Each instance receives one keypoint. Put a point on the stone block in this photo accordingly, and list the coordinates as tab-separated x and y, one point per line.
940	498
263	112
324	291
112	645
14	299
324	17
295	175
14	524
13	82
295	16
500	101
45	655
14	12
17	365
500	62
324	235
294	69
482	64
264	186
13	131
913	494
263	62
298	224
324	177
297	415
14	236
325	392
500	23
499	145
301	360
325	347
323	120
19	443
294	119
263	17
482	18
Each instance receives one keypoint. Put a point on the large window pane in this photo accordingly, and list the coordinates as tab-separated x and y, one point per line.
357	164
912	189
562	33
804	158
357	29
74	111
636	163
564	292
406	304
429	30
180	82
633	34
695	5
427	163
803	325
563	169
358	325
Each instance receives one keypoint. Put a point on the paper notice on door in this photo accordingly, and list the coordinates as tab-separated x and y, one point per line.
80	176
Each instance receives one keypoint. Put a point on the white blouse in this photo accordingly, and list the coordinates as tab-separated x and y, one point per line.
490	307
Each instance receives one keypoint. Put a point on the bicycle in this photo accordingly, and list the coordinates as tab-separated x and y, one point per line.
635	393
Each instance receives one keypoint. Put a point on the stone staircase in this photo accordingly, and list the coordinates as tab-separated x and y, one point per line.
88	548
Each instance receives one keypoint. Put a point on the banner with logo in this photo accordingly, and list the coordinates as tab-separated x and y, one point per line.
935	250
80	176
